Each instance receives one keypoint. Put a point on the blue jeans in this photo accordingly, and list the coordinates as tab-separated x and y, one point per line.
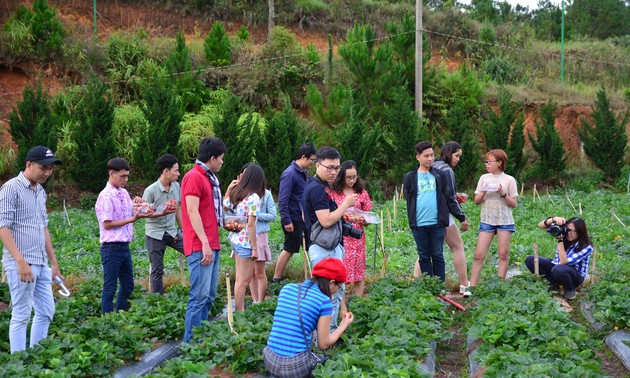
26	297
116	259
204	280
316	254
430	244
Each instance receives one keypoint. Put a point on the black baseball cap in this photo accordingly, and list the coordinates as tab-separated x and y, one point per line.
42	155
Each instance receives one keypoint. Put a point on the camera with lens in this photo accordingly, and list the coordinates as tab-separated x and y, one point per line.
557	230
348	230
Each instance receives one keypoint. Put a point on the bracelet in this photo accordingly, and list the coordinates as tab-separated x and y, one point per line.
560	241
545	221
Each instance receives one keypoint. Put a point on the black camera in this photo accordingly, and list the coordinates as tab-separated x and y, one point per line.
557	230
348	230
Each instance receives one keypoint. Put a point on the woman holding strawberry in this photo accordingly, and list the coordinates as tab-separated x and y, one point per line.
243	197
348	182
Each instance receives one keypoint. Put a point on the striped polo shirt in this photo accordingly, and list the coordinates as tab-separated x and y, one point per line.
23	212
286	337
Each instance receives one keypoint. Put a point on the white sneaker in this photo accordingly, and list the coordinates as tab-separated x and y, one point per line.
465	291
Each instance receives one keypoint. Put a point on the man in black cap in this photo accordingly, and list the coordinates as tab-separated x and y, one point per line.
27	248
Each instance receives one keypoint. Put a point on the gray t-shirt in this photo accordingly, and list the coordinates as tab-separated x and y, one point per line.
156	194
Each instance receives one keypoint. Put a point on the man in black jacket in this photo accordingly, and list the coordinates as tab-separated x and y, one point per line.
429	201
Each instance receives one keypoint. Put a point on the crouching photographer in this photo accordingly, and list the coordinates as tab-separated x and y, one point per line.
570	265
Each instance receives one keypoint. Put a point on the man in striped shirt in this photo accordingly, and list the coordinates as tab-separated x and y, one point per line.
27	248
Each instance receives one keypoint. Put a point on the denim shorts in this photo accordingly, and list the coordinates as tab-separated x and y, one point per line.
484	227
242	252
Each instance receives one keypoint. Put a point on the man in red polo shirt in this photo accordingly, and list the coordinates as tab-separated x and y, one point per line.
202	215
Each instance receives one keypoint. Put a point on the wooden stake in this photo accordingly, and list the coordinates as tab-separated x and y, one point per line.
65	211
571	203
536	269
580	207
230	313
402	186
149	277
307	262
534	193
389	221
550	199
395	207
616	217
182	273
593	265
382	233
384	267
522	188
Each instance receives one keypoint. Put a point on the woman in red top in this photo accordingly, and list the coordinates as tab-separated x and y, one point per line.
346	183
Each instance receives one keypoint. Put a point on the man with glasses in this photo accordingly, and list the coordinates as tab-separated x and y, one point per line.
292	183
115	214
319	206
27	248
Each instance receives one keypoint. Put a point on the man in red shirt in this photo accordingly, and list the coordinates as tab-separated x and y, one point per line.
202	215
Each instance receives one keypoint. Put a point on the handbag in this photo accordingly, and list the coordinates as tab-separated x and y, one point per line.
327	238
315	358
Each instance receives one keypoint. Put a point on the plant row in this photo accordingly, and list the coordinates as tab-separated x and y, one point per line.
610	298
524	332
393	330
82	342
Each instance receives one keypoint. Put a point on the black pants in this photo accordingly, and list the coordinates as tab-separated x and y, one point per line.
561	274
156	250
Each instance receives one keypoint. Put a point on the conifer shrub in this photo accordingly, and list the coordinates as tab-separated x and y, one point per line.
217	46
552	160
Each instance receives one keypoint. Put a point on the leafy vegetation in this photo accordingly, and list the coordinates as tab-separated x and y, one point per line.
524	331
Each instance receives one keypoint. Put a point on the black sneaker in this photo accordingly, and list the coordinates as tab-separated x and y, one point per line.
554	287
569	294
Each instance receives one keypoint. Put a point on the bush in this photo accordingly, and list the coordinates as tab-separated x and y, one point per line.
129	125
17	39
125	52
47	31
88	201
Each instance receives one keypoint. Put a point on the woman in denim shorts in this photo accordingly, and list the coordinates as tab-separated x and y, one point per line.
496	193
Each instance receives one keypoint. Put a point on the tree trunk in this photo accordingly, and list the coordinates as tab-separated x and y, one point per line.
272	15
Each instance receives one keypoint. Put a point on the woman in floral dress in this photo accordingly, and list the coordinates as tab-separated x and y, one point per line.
346	183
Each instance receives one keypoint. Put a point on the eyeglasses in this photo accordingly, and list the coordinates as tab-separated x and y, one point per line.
313	160
331	169
351	178
123	176
490	161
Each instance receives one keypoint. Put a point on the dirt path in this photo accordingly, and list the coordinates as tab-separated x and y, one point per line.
452	360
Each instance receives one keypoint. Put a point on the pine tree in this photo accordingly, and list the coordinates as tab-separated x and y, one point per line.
460	129
605	138
47	31
548	145
163	112
285	133
32	123
505	131
95	116
217	46
188	86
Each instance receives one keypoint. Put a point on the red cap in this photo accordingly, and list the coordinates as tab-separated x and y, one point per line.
331	268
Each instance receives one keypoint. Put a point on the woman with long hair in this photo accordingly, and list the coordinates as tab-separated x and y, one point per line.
450	154
243	198
303	308
348	182
570	265
496	193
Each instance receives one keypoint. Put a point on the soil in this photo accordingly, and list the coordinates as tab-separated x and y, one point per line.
452	360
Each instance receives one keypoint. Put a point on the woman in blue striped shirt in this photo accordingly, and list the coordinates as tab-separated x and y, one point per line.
303	308
570	266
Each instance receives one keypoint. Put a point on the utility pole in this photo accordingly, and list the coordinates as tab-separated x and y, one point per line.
418	103
562	45
95	31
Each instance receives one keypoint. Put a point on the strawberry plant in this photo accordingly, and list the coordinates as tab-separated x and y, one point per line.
524	332
610	297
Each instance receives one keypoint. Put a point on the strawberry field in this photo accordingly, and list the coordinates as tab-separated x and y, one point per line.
513	328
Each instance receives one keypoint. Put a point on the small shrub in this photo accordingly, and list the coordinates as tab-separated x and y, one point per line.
17	39
88	201
584	180
242	34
